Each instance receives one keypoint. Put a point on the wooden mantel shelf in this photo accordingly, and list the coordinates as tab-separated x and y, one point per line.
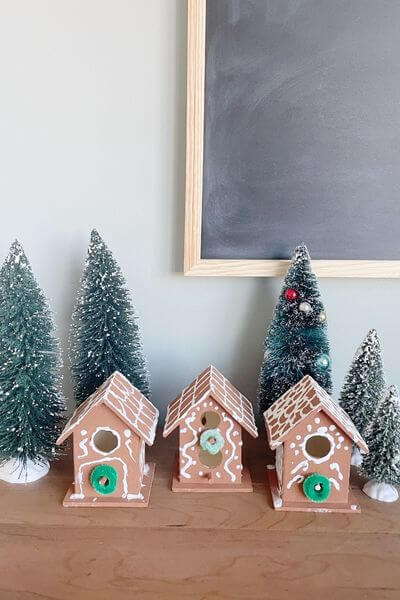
193	546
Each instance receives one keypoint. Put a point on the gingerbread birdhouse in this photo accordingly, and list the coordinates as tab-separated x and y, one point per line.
110	430
313	439
211	415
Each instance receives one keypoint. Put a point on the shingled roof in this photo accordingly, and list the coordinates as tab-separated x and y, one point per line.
211	381
304	398
126	401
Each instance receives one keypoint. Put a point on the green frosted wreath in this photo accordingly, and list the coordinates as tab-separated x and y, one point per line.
212	441
104	479
317	487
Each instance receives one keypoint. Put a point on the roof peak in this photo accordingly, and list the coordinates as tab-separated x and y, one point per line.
211	381
123	399
297	404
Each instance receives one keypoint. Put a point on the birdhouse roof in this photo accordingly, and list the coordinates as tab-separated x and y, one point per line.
211	381
126	401
298	403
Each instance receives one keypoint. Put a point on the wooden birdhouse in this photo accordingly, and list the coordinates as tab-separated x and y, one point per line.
211	415
313	438
110	430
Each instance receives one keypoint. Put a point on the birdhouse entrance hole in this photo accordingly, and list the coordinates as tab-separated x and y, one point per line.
210	419
105	441
210	460
318	446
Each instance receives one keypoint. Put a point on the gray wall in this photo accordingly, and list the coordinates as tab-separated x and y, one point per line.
92	120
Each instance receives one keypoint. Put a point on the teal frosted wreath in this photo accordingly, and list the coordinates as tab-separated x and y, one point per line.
212	441
104	479
317	487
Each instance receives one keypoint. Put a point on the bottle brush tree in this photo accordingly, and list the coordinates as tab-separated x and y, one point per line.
105	336
364	383
382	464
296	343
31	402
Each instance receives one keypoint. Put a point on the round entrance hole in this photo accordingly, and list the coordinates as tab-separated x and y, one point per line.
318	446
105	441
210	419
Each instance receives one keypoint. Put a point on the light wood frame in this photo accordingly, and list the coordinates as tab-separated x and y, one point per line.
193	263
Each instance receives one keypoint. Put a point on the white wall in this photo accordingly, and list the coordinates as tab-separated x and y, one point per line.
92	117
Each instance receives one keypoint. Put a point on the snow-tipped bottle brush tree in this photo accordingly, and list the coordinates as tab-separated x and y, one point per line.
382	464
105	335
296	343
363	386
31	401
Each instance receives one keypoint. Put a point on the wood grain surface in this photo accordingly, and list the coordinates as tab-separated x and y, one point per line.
197	546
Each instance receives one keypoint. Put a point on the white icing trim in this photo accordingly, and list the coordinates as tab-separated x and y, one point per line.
299	478
128	443
141	458
138	496
82	446
230	441
335	467
189	460
335	483
303	465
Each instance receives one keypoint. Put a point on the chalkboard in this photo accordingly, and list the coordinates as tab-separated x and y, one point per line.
301	131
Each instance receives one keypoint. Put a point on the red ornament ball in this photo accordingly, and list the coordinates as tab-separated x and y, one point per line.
291	294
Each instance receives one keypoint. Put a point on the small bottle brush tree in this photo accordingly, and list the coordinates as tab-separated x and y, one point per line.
296	343
364	383
382	464
31	401
105	336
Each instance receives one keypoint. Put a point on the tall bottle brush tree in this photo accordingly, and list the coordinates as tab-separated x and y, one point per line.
105	336
382	464
364	383
296	343
31	402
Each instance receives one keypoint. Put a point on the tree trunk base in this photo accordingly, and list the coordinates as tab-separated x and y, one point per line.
384	492
14	472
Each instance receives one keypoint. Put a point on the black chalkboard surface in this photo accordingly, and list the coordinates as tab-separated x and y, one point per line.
301	129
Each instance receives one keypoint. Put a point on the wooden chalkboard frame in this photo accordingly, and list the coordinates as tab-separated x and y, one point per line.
194	265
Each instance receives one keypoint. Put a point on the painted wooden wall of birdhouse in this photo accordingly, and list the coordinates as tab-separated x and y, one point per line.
316	445
196	465
103	438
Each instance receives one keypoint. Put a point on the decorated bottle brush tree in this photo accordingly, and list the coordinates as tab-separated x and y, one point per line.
296	343
31	401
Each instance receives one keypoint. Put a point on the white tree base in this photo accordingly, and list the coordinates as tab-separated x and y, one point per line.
13	472
384	492
356	457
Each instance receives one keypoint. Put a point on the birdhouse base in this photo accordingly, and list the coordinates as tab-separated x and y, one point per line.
101	501
207	487
351	506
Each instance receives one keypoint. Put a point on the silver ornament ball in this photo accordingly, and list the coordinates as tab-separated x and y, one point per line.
322	316
305	307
